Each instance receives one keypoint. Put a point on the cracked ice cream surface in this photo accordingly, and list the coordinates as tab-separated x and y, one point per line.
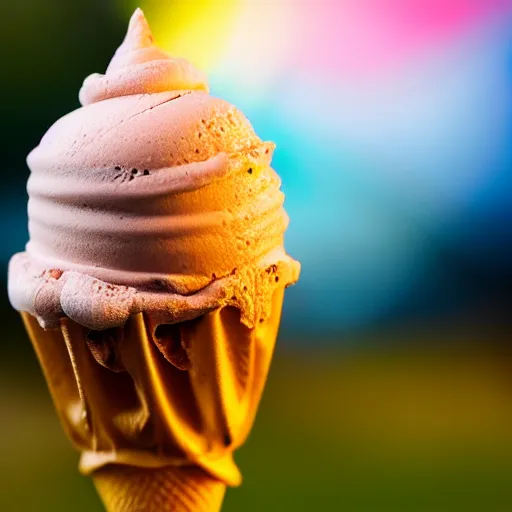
154	196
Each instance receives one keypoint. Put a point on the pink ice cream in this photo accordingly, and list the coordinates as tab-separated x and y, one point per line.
154	196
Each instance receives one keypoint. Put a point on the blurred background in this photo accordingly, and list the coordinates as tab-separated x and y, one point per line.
391	388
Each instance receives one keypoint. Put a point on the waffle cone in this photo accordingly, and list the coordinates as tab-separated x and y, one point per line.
129	489
155	402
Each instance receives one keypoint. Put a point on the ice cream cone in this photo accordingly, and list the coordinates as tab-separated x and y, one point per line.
128	489
164	397
153	280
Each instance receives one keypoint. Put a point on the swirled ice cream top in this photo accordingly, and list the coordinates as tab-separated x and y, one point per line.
140	67
153	186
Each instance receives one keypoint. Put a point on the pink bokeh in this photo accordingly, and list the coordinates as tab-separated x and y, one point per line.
368	36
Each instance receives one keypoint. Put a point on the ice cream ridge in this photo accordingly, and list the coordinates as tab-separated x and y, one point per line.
152	283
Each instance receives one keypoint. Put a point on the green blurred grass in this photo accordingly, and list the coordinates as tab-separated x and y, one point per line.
402	427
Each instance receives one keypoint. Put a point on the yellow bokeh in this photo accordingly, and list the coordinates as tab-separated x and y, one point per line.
196	29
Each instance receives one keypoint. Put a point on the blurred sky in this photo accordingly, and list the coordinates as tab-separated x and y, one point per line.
393	124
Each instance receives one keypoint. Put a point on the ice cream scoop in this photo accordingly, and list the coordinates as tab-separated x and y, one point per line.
154	275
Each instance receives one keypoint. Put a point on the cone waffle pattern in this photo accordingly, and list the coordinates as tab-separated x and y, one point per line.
128	489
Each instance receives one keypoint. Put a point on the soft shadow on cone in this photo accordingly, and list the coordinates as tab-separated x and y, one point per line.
145	425
130	489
